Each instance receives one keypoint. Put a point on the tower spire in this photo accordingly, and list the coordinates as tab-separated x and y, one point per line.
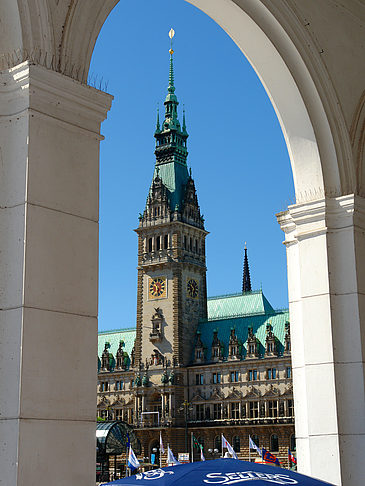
158	128
171	87
246	281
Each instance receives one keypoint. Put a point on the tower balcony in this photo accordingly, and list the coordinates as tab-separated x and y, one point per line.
158	256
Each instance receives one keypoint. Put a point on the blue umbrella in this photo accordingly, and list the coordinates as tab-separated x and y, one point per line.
219	472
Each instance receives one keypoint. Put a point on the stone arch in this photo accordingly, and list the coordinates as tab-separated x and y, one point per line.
283	55
60	35
309	118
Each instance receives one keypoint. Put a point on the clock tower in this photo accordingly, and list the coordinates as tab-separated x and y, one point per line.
171	295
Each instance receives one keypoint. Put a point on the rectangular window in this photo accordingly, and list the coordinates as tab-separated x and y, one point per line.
199	379
288	371
217	377
118	414
119	385
235	410
234	376
273	408
199	412
217	411
291	408
271	373
252	375
166	242
254	409
158	243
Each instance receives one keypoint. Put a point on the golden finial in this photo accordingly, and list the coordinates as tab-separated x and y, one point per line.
171	35
245	245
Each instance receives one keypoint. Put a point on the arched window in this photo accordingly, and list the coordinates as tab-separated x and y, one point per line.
191	244
256	440
236	443
274	443
150	244
185	242
166	242
218	443
293	443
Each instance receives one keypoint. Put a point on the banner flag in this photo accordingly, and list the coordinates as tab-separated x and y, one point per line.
268	457
196	443
291	457
133	462
171	459
202	458
228	446
252	445
162	449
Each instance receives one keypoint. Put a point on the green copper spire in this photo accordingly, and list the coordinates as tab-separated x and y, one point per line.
171	150
171	87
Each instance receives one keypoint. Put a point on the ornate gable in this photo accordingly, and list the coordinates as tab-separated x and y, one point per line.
234	394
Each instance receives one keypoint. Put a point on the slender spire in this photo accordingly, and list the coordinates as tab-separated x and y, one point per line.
246	281
184	122
158	128
171	87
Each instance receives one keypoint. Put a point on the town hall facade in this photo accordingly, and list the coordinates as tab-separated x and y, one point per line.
194	365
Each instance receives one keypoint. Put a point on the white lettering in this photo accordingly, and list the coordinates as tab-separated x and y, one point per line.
242	476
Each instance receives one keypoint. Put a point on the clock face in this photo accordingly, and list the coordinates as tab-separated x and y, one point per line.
157	287
192	288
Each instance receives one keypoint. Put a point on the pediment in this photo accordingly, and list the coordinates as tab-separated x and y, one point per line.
271	390
104	401
288	389
234	394
197	398
252	392
217	395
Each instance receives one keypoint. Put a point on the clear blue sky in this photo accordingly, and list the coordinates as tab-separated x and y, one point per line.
236	150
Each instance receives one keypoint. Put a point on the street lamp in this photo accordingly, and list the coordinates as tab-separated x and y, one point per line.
213	452
186	407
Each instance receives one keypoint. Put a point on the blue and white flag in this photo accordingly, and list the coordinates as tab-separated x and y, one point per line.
252	445
171	459
162	449
133	462
230	449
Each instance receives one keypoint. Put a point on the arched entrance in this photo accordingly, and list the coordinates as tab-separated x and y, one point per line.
50	133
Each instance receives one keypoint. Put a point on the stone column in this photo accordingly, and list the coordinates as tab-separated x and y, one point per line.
49	184
325	241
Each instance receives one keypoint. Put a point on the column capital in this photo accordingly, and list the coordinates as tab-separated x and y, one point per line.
305	220
46	93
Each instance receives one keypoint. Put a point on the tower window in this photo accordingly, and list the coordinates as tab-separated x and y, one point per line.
166	242
185	242
191	244
150	244
158	243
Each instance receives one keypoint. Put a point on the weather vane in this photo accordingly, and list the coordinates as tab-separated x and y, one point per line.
171	35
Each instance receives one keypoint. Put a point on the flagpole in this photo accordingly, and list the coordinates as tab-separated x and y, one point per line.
222	445
249	448
192	447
